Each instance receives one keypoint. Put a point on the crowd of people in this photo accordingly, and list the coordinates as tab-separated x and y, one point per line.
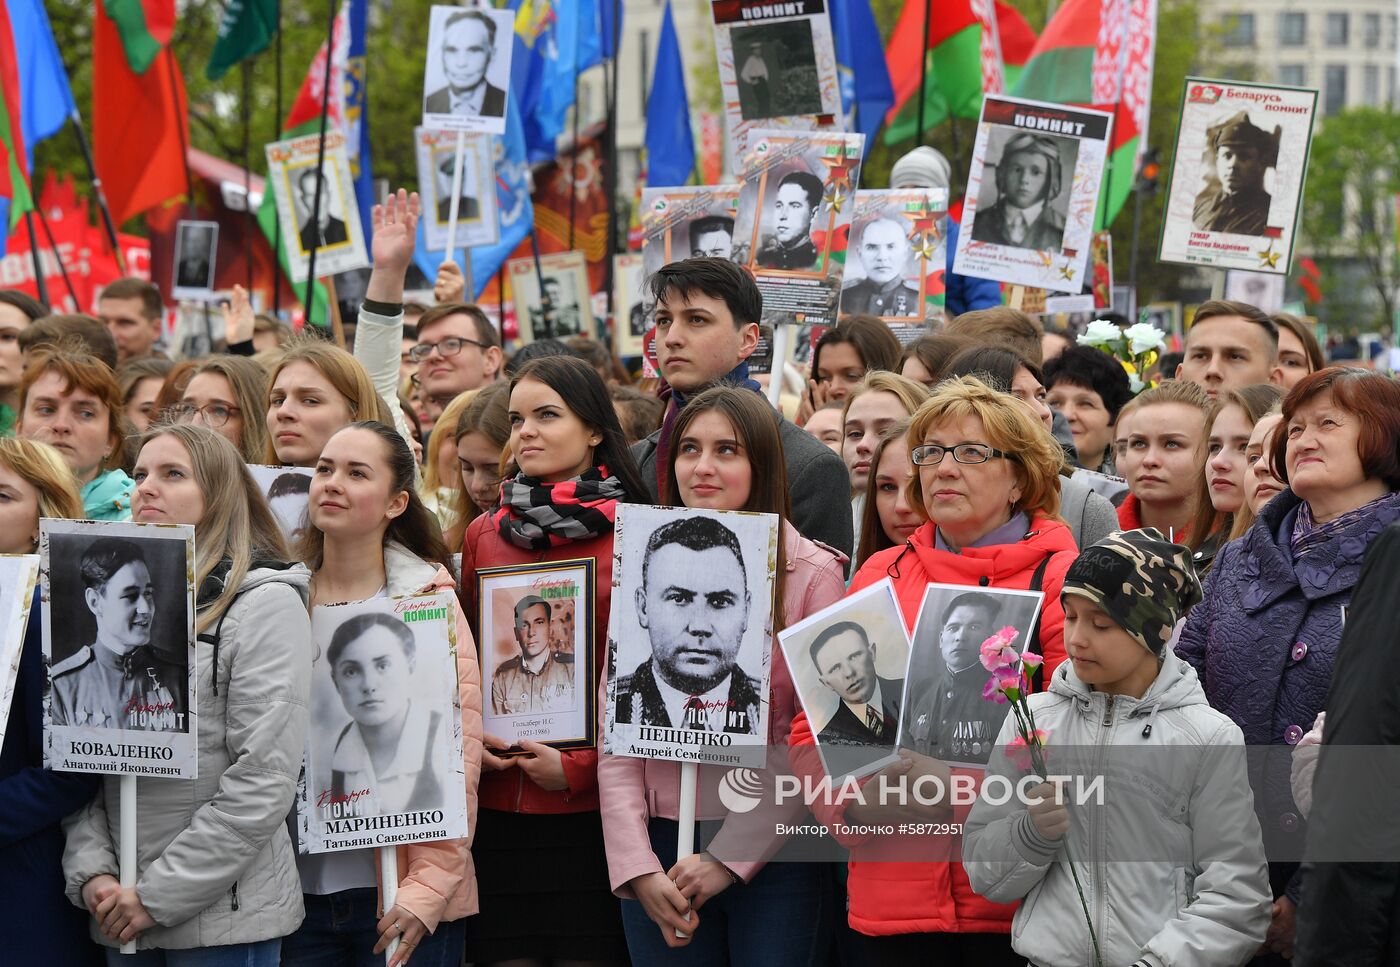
1198	546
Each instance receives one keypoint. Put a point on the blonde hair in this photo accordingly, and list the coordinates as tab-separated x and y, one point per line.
345	374
487	414
1205	519
1009	427
44	469
910	392
237	523
443	430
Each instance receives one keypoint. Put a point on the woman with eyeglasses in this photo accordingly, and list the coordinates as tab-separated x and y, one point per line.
223	392
986	482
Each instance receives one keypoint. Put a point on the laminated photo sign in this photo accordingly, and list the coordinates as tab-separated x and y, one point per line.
1032	193
287	489
18	575
631	316
118	620
476	206
897	255
466	70
690	635
1236	190
332	227
384	762
563	277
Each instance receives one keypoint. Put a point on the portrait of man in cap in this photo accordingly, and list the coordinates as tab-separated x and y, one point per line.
1236	156
1028	181
883	252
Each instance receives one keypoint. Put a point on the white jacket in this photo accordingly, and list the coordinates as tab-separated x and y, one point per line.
1171	860
214	861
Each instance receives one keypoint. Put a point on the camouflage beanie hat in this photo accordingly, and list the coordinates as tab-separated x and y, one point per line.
1141	580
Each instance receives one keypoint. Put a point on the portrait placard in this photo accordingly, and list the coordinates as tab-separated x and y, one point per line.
848	664
631	316
794	210
334	231
19	574
945	715
682	223
476	212
690	635
466	71
118	622
564	276
536	632
1263	290
287	490
1234	198
777	67
897	256
1101	269
1032	193
196	251
384	761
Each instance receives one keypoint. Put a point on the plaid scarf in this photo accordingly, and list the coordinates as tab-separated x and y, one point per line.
538	516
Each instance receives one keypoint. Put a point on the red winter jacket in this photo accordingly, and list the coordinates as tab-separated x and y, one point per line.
935	897
512	790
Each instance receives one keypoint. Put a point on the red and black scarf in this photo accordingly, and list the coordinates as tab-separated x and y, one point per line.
538	516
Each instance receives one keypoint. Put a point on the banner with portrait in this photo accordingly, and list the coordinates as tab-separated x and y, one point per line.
1032	193
945	714
1234	198
794	212
535	628
848	664
118	609
563	276
331	227
690	635
19	573
287	490
631	316
466	70
476	210
196	252
897	256
1263	290
384	762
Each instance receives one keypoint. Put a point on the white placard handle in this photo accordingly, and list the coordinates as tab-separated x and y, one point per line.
685	832
470	294
127	854
782	335
389	878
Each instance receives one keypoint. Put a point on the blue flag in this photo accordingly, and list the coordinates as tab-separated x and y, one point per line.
46	100
515	211
670	144
544	67
599	18
357	112
866	92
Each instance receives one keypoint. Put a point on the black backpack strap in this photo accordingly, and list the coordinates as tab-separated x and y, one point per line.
1033	638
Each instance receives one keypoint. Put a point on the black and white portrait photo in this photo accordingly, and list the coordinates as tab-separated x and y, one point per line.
848	663
630	300
792	202
896	245
18	576
467	69
552	300
688	638
535	626
711	237
118	631
947	716
323	226
1023	204
287	490
326	219
777	70
386	734
1263	290
468	208
476	208
196	248
1238	155
882	250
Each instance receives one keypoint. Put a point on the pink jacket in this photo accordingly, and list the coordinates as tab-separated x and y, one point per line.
631	790
436	880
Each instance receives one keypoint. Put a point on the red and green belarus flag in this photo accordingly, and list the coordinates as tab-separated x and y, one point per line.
14	169
1099	54
970	50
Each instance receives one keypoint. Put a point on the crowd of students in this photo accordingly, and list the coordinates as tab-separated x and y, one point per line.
1230	510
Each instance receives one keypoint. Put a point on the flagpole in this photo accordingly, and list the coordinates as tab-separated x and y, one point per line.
612	161
923	72
39	283
267	186
97	191
320	162
546	303
248	223
48	233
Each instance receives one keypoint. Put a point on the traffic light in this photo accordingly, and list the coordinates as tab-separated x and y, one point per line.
1148	172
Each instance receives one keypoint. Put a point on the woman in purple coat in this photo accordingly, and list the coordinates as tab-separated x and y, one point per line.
1265	638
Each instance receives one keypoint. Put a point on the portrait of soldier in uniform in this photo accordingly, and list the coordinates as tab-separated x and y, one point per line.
794	206
534	680
390	747
1237	155
1028	182
120	680
883	251
468	208
559	319
711	237
694	603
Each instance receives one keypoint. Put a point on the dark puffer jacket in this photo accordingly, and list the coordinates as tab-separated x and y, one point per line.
1264	642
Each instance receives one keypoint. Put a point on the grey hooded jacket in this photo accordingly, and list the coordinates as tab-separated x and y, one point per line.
214	861
1171	861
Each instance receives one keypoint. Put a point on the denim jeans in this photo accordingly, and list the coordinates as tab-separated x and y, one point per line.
264	953
771	921
339	931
